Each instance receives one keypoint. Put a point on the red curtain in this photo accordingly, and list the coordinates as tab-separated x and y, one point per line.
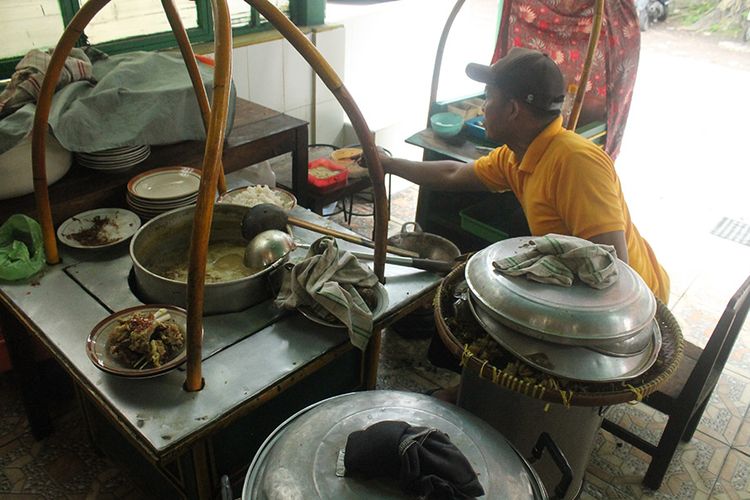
561	28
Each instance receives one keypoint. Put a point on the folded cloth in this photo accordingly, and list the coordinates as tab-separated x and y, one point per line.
326	281
423	459
26	82
558	259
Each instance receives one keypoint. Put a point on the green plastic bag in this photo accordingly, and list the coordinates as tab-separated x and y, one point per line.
21	248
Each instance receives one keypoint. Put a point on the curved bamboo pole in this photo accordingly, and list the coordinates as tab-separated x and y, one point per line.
596	28
439	55
178	29
204	209
41	121
334	84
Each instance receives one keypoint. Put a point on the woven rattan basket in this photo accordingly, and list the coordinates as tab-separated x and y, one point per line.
481	355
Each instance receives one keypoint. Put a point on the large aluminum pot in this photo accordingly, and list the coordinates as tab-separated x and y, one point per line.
171	232
298	460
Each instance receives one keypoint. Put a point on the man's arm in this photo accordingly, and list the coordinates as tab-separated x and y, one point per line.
447	175
616	239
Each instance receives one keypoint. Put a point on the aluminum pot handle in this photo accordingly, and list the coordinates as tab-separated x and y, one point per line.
546	441
417	228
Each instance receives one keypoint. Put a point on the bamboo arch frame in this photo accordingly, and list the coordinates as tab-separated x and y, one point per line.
215	123
596	28
326	73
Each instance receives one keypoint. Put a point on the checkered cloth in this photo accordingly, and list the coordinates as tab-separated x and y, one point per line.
558	259
26	82
325	282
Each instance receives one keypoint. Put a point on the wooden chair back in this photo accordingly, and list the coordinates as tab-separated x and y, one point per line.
710	364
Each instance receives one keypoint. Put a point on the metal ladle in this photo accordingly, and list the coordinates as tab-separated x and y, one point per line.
267	247
271	245
268	216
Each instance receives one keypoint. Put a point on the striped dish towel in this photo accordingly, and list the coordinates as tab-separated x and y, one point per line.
26	81
558	259
325	281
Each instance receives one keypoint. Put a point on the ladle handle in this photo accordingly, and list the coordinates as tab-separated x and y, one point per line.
435	266
347	237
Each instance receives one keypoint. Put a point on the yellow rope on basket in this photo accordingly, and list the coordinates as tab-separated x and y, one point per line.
481	369
566	397
466	355
639	393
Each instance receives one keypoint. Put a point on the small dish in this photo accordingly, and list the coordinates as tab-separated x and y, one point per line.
286	200
165	183
380	293
98	228
98	345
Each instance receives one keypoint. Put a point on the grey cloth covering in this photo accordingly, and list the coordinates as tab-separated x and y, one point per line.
325	281
139	98
558	259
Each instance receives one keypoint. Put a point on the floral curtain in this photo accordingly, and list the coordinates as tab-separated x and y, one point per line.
561	28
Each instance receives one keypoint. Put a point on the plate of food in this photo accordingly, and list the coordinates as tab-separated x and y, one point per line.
375	297
98	228
139	342
252	195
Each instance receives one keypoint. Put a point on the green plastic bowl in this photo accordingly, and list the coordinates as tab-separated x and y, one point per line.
446	124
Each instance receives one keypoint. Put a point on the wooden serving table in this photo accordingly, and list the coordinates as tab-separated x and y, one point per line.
260	366
258	133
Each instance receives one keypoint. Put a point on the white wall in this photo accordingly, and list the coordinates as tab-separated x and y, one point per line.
273	74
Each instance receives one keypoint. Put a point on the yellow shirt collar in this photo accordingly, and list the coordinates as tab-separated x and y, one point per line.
539	145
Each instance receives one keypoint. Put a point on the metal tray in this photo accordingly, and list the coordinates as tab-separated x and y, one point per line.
571	362
573	315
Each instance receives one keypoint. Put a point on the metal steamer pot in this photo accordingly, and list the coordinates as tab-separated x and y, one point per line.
421	323
172	231
298	460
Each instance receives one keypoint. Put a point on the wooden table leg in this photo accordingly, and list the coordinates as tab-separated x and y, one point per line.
27	374
299	167
199	460
371	360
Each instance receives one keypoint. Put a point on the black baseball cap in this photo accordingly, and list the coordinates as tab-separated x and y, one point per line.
526	74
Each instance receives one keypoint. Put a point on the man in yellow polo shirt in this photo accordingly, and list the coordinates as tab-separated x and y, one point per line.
566	184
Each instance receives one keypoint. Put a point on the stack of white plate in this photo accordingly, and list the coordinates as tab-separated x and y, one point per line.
163	189
114	160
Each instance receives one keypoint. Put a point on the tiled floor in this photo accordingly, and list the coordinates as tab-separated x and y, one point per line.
675	203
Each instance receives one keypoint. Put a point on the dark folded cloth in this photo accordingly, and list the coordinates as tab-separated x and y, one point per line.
423	459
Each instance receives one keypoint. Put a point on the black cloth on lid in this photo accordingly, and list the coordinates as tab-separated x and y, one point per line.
423	459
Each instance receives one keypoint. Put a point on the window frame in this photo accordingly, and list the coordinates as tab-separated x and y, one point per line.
204	33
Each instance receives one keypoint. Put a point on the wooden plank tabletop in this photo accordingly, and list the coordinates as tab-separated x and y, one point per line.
85	189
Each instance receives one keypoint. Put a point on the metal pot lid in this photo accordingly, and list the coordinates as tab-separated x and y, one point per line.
568	315
299	457
572	362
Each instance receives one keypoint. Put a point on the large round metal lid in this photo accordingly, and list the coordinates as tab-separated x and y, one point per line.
568	315
299	458
582	363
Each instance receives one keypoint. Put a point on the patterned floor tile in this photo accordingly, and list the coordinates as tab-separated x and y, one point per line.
734	478
62	466
692	473
741	442
727	408
411	354
598	489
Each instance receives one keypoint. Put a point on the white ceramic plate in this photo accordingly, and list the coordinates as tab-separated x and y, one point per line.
165	183
98	228
287	200
380	292
98	343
